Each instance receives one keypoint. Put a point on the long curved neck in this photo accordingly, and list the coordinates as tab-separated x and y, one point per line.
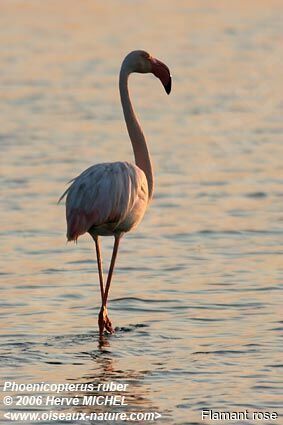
142	157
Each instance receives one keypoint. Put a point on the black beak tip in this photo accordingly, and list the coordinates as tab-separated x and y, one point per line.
168	86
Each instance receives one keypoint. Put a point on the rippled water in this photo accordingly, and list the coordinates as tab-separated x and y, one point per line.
197	292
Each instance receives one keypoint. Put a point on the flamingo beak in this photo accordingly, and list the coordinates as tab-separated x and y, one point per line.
161	71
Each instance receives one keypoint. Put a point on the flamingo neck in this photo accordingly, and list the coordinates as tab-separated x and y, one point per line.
142	157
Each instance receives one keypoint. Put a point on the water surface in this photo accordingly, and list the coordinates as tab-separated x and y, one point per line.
197	293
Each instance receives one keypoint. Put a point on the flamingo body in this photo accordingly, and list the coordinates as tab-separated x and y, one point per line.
110	199
106	200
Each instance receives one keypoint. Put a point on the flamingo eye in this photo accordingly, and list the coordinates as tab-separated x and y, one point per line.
146	55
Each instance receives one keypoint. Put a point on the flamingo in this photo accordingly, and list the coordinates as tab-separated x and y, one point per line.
110	199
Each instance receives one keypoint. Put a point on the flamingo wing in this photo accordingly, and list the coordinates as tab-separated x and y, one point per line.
104	193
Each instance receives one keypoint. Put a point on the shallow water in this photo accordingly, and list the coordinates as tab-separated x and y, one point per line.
197	292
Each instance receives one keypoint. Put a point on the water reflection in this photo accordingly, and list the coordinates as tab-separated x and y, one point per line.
136	391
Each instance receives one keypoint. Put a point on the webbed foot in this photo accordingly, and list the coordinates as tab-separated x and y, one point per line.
104	322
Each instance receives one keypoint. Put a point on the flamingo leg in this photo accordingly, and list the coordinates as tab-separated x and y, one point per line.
103	319
99	265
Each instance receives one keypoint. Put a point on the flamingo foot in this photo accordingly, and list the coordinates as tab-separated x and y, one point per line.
104	322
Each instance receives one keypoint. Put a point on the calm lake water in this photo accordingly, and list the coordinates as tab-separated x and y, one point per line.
197	292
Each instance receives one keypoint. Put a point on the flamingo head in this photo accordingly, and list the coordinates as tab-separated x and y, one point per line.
142	62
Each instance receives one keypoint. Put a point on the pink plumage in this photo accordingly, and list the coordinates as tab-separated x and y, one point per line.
105	199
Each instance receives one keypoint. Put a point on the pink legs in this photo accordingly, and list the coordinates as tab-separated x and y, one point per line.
99	265
103	319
